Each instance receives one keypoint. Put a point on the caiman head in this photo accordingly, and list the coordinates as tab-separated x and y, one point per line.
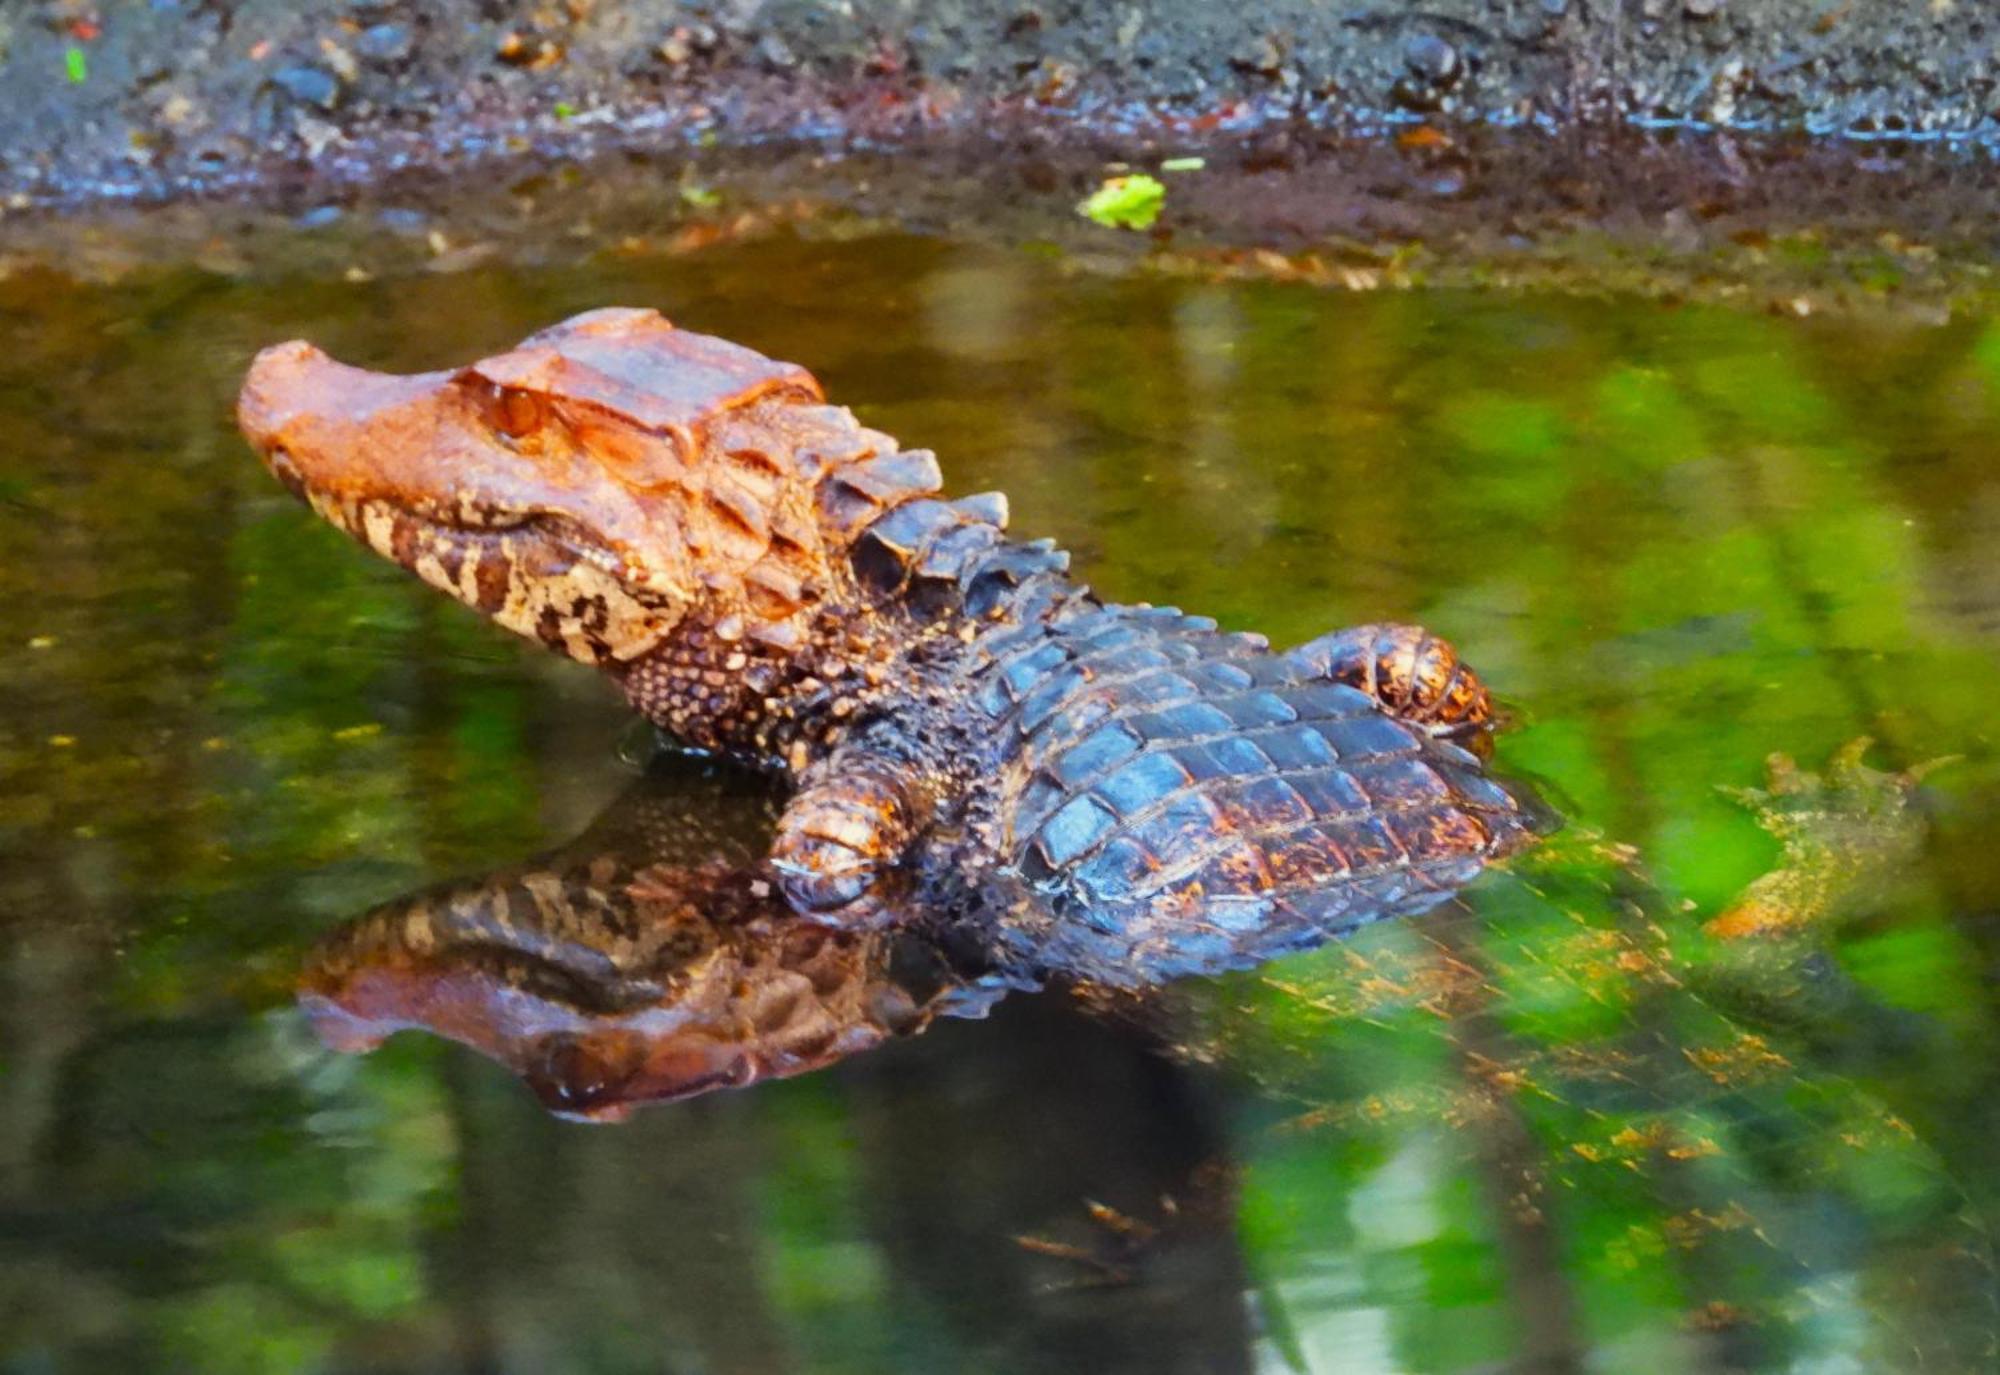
561	487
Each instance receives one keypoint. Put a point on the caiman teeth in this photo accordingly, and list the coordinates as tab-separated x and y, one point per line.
466	514
284	468
464	546
355	514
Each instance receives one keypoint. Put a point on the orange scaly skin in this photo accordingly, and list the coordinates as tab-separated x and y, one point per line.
768	579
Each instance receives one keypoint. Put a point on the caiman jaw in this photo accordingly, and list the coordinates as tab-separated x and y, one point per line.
523	529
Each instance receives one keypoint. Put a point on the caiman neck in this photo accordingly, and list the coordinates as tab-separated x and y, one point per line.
713	686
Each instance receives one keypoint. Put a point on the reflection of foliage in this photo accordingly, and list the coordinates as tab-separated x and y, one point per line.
1574	1073
1571	1120
180	1192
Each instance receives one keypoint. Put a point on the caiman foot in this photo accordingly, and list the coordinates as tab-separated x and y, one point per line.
842	833
1412	674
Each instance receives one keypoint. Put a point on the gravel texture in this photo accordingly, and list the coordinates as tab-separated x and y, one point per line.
150	98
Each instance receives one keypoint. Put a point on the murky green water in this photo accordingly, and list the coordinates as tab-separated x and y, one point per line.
1560	1127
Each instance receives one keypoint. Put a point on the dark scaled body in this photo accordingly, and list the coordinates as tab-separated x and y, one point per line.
1186	791
964	725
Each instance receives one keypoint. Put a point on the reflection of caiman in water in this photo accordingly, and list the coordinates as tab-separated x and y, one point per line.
652	958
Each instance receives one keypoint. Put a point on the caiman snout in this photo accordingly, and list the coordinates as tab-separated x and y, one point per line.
323	426
278	381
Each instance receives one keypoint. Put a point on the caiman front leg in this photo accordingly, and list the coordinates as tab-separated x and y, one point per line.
848	826
1412	674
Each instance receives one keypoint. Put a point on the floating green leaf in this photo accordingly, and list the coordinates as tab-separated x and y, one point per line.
76	66
1131	202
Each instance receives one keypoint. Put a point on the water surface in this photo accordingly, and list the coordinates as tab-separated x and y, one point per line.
1560	1125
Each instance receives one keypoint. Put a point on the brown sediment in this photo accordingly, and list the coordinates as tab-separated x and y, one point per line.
1797	226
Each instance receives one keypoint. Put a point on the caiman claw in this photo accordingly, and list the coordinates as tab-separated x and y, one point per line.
846	828
1412	674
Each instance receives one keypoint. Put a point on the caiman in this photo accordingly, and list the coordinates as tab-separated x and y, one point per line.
768	579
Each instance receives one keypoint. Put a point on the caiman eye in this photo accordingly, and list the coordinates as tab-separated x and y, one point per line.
518	413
